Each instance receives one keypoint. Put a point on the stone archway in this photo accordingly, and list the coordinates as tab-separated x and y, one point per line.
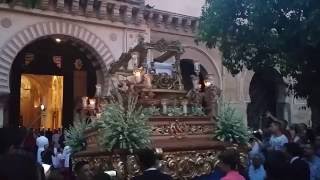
39	30
80	35
210	65
267	92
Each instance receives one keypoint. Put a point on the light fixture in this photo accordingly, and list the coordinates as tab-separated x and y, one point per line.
209	81
58	40
42	107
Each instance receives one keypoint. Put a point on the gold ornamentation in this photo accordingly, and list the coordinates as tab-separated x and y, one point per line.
188	129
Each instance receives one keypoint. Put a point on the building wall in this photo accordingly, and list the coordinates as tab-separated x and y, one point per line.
119	37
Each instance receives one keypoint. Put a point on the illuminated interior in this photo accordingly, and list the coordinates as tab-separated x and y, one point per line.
41	98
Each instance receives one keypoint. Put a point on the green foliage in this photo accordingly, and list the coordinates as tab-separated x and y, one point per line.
259	34
31	3
74	136
175	111
124	126
230	126
197	111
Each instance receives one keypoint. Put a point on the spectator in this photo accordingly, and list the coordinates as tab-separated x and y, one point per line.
230	162
317	145
313	161
275	165
147	161
256	169
18	167
83	171
55	138
277	139
47	155
293	134
297	168
41	141
54	175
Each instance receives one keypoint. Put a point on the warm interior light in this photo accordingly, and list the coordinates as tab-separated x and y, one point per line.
42	107
207	83
58	40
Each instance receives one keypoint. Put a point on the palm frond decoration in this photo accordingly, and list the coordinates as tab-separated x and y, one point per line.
124	126
74	136
230	125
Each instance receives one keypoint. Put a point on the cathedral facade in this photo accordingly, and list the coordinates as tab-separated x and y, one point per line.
78	40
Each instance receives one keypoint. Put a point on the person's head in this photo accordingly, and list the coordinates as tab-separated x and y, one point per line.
293	150
41	133
275	127
18	167
293	130
229	160
257	160
54	175
101	176
308	150
146	158
83	171
302	129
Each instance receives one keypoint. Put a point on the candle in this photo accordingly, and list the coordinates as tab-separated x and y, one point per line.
138	77
84	102
148	80
92	103
98	90
196	67
164	106
184	104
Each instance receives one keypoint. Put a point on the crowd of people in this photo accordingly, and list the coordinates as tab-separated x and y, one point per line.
277	152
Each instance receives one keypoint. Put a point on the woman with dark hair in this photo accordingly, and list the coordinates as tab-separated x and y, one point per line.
230	164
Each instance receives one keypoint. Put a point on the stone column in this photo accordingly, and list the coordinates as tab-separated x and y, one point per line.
3	110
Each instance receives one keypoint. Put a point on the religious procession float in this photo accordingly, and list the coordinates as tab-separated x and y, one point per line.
148	106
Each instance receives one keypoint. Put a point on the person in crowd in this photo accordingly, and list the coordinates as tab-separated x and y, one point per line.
313	161
294	137
30	141
317	145
283	124
54	175
297	168
147	160
256	168
41	142
256	144
275	165
83	171
49	134
229	163
101	176
18	167
47	155
55	138
57	159
277	139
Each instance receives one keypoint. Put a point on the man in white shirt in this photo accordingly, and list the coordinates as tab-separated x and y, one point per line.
41	142
277	139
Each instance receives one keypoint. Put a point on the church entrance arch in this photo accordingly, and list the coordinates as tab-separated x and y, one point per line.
76	42
267	93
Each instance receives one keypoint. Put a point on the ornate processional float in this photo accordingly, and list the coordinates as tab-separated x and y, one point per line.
180	124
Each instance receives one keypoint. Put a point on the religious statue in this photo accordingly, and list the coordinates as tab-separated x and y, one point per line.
194	95
211	96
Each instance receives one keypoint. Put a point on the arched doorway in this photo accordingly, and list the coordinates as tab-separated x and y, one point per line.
47	78
267	93
187	69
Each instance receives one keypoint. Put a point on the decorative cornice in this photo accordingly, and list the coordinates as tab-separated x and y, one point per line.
127	12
